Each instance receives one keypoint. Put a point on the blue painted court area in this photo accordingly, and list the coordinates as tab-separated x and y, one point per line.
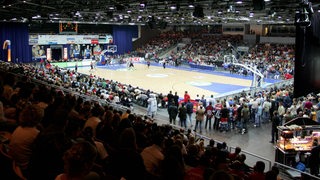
223	88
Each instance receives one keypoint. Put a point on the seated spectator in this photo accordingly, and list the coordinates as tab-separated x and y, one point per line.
78	162
258	171
173	166
20	147
233	156
236	170
127	162
152	156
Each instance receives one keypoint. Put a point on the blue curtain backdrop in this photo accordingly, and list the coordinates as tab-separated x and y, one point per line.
122	37
18	34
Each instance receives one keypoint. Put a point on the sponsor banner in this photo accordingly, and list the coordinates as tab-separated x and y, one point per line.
70	39
65	53
134	59
49	57
94	41
33	39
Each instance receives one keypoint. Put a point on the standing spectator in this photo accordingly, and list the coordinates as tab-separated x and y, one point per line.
152	106
186	97
266	110
217	114
314	159
275	123
203	101
189	107
169	98
199	118
245	116
173	112
183	115
258	115
212	100
176	99
224	118
281	112
209	114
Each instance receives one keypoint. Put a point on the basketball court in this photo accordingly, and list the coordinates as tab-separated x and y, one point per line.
176	79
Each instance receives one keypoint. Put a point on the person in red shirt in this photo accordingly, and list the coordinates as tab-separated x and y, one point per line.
209	114
233	156
186	97
258	171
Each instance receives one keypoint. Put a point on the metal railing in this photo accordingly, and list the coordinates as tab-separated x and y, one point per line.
288	172
253	158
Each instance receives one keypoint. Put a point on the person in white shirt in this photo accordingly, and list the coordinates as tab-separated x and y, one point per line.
152	105
266	110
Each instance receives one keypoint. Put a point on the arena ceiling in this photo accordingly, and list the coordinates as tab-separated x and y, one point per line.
171	12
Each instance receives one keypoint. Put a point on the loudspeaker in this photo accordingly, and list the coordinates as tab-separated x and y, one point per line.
198	11
258	5
152	24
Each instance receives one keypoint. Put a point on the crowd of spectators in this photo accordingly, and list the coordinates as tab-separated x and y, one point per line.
52	129
273	60
58	135
160	43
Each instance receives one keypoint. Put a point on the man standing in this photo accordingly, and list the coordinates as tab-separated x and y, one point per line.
209	115
170	98
173	112
314	159
183	116
189	107
245	114
275	123
281	112
176	99
199	118
186	97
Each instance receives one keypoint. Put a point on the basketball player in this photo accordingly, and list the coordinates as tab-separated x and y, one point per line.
148	63
131	66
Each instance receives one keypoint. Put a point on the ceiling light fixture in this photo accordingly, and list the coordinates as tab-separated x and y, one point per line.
173	7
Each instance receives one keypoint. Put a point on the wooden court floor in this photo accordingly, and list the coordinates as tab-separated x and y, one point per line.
160	80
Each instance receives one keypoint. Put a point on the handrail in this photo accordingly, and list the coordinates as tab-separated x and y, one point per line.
293	169
256	156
